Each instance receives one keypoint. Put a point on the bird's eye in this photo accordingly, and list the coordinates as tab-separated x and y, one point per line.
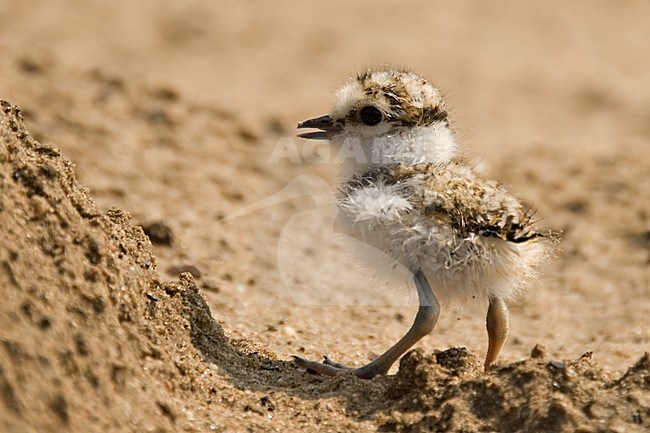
370	115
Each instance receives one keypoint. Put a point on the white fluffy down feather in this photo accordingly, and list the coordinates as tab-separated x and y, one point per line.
376	205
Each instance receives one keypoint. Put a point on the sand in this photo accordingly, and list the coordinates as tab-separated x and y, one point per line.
146	128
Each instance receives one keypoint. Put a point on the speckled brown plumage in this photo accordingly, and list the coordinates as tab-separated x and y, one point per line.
454	195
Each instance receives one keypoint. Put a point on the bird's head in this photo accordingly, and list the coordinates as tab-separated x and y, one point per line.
384	117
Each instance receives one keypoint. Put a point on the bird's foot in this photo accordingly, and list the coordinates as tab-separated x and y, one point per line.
331	368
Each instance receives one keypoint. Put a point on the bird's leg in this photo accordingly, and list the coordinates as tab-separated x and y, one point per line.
497	328
425	320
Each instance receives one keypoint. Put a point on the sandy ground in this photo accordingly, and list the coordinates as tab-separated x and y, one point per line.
175	111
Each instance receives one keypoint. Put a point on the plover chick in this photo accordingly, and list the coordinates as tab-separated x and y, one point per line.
412	197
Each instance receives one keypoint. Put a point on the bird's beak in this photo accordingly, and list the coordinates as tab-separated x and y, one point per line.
324	123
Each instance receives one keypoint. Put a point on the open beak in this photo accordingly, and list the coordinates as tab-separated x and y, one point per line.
324	123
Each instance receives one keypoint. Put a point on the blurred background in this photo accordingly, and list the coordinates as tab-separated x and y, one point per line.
171	109
559	72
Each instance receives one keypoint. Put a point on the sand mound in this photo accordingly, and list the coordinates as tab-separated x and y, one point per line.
92	340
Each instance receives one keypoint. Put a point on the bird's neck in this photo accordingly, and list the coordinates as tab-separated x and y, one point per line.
418	145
